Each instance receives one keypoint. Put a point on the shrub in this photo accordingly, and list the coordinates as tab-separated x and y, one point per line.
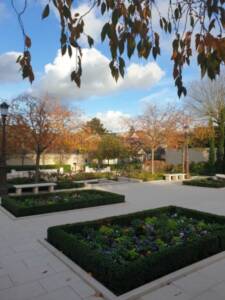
144	175
159	166
50	202
206	182
200	168
122	277
87	176
64	184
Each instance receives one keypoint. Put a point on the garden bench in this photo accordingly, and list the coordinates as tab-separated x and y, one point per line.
220	176
34	186
174	177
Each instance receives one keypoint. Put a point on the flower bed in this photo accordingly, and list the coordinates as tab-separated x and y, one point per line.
206	182
50	202
128	251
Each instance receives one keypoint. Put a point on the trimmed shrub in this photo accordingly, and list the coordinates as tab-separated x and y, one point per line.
121	278
63	184
21	206
208	182
144	175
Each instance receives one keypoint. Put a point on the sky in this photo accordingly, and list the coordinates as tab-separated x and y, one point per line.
146	81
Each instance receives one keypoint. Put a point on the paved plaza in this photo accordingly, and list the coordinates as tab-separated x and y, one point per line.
29	271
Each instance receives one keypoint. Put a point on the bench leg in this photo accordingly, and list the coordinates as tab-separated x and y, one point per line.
51	189
35	190
18	191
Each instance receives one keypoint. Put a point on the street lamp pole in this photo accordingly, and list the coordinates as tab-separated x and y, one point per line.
3	174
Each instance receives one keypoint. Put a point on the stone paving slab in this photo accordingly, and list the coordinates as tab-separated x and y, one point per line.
5	282
195	284
65	293
28	271
169	292
23	292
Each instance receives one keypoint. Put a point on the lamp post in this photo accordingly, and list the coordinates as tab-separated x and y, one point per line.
186	152
3	175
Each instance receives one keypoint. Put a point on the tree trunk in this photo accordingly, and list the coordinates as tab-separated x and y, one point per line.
153	161
212	155
220	147
183	160
37	166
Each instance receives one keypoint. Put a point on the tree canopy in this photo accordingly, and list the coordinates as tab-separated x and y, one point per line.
129	29
95	126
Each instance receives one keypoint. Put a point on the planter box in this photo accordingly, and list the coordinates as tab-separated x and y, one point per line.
45	203
121	278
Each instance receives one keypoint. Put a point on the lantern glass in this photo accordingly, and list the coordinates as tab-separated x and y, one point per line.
4	107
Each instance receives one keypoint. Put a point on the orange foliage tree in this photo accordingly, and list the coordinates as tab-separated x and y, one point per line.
42	120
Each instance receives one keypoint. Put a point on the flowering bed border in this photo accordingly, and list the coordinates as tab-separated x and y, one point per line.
123	278
16	207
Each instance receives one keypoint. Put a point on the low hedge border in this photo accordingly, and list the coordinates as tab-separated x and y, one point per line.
210	183
121	279
13	205
69	185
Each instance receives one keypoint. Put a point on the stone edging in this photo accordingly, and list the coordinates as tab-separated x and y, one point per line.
108	295
140	291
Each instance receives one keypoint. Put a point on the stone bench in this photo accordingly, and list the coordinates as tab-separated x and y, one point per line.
34	186
174	176
220	176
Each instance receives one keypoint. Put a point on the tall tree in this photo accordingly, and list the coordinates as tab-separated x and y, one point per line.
129	28
111	147
43	120
159	125
206	100
95	126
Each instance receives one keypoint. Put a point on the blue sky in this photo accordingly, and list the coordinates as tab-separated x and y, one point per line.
146	81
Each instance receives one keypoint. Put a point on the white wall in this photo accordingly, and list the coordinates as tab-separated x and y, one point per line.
50	159
173	156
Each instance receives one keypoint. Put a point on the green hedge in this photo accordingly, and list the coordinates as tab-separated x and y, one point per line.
89	198
68	185
66	168
208	182
123	278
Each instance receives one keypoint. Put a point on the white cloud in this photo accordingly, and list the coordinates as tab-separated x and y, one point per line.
93	21
96	78
9	69
114	121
